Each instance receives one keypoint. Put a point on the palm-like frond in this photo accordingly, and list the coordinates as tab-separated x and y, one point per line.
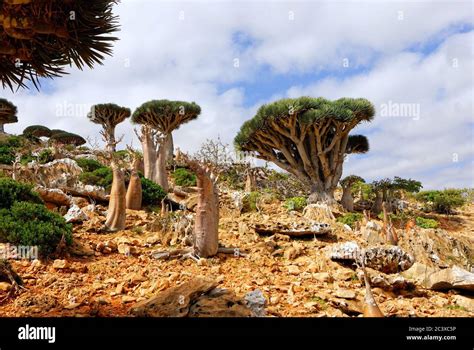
38	38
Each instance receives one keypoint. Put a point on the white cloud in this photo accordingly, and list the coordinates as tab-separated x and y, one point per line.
161	56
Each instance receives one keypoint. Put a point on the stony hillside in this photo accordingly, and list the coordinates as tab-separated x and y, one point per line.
271	270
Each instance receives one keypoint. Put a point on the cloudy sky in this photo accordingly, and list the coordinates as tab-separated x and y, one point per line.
413	60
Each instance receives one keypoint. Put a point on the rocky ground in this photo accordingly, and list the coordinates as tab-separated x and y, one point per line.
108	274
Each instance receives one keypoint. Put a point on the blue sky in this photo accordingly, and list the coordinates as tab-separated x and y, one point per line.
397	52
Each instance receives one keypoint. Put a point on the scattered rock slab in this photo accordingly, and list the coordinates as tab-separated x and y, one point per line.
294	230
345	294
256	302
53	195
75	215
60	264
5	287
465	302
387	259
451	278
198	297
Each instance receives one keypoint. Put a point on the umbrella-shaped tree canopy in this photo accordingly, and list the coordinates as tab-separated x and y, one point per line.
40	37
164	115
108	115
67	138
7	113
37	131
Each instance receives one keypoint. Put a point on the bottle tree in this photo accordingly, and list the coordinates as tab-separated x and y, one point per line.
159	118
7	114
308	137
347	200
108	115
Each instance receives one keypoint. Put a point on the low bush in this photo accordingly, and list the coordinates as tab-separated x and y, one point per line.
295	203
12	191
426	223
250	201
30	224
443	202
45	156
350	219
183	177
152	194
89	165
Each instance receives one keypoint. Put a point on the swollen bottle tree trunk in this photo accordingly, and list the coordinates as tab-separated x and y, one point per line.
377	206
251	181
134	191
347	201
206	226
116	213
371	308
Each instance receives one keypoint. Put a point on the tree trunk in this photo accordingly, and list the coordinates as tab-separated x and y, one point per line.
161	176
250	182
320	195
377	206
206	224
347	201
169	148
206	227
149	153
134	192
111	144
2	130
116	212
371	308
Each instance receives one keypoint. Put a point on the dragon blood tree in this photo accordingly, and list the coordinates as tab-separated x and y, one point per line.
159	118
40	38
37	131
347	201
308	137
7	114
109	116
67	138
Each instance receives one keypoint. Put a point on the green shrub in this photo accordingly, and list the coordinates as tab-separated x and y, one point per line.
295	203
426	223
443	201
89	165
183	177
13	141
350	219
232	178
250	201
122	154
8	148
12	191
152	194
100	177
45	156
30	224
7	155
26	158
